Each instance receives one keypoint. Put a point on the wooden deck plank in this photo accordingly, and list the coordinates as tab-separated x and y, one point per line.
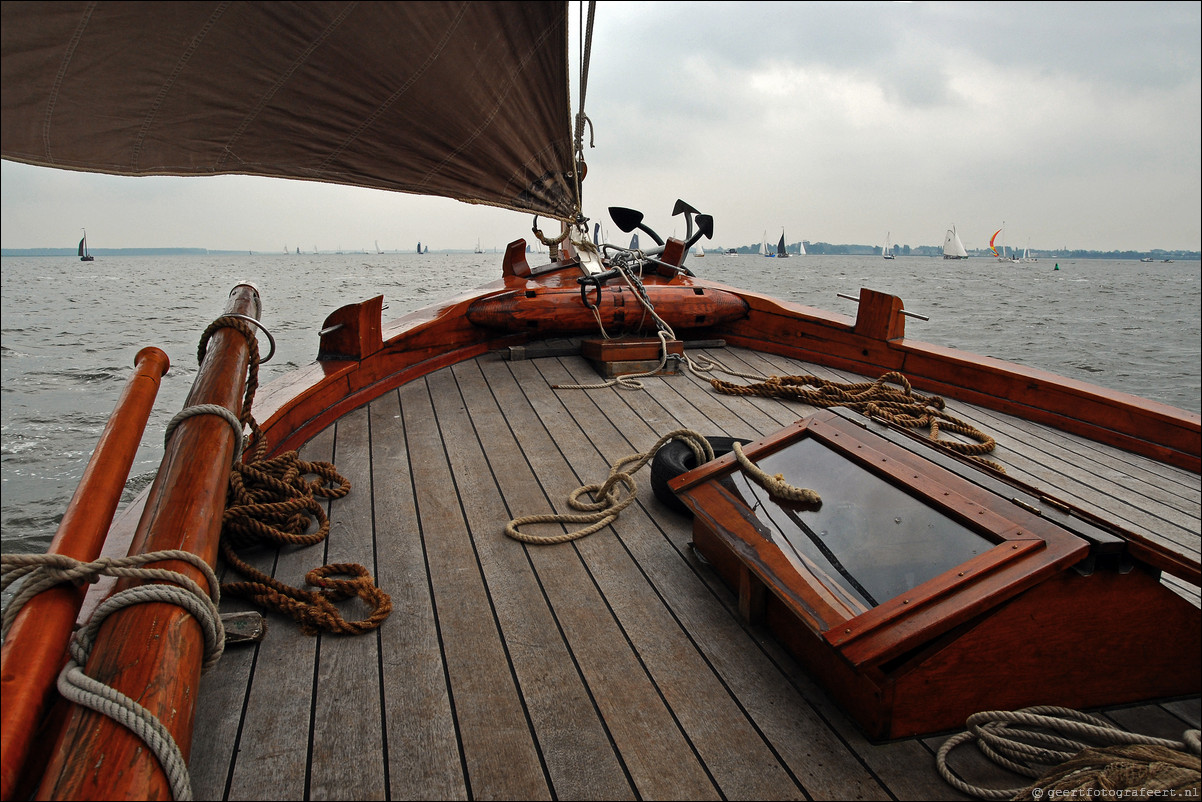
658	756
734	753
777	709
347	760
423	748
525	589
495	740
273	750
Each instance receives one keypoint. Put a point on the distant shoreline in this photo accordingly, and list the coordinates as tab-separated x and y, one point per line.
814	249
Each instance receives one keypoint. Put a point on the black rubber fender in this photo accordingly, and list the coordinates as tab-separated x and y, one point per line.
674	458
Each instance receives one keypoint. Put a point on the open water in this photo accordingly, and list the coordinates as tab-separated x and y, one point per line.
71	330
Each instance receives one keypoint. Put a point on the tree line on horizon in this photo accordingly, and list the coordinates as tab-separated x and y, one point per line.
828	249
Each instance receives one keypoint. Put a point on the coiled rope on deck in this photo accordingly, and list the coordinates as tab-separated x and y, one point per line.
1073	754
608	500
875	399
270	501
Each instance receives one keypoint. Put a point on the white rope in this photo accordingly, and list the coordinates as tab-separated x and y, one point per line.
42	571
608	501
1039	743
775	483
209	409
629	381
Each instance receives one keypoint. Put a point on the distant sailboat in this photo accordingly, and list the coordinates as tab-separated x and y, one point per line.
993	247
801	248
764	246
953	248
1027	257
634	241
700	252
478	247
378	247
781	253
84	256
887	251
419	248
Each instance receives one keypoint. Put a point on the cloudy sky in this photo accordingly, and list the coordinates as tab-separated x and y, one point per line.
1075	124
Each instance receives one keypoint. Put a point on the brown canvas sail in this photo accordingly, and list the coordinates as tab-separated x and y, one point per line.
467	100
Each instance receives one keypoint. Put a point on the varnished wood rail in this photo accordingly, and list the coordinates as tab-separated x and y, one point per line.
37	641
152	652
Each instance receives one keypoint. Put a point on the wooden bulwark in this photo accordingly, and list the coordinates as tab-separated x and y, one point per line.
613	667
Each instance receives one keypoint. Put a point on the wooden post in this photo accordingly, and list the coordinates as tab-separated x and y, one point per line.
34	650
152	652
880	316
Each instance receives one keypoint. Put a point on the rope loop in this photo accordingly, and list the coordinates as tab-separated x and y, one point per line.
776	484
209	409
1069	753
271	501
41	571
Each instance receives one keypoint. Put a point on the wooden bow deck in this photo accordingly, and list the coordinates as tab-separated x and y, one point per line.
612	667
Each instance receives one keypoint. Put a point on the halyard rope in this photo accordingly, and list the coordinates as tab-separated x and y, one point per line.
1072	753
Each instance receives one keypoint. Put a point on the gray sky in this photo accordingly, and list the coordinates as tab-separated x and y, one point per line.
1076	124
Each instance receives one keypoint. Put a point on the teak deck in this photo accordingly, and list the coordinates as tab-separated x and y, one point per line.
612	667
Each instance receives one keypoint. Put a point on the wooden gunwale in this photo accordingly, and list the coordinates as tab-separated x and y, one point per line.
1139	425
152	652
435	337
33	650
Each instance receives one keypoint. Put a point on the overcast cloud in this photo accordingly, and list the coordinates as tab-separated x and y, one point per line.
1076	124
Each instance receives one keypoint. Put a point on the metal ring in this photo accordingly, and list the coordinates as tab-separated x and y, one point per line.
262	328
584	284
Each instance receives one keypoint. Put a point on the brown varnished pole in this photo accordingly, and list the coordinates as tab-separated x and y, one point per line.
152	652
37	641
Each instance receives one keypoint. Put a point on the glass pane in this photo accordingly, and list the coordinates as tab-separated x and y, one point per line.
868	539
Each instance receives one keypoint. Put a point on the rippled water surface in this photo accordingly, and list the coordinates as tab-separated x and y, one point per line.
71	330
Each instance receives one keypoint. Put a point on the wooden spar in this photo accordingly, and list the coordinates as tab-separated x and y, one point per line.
37	641
152	652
